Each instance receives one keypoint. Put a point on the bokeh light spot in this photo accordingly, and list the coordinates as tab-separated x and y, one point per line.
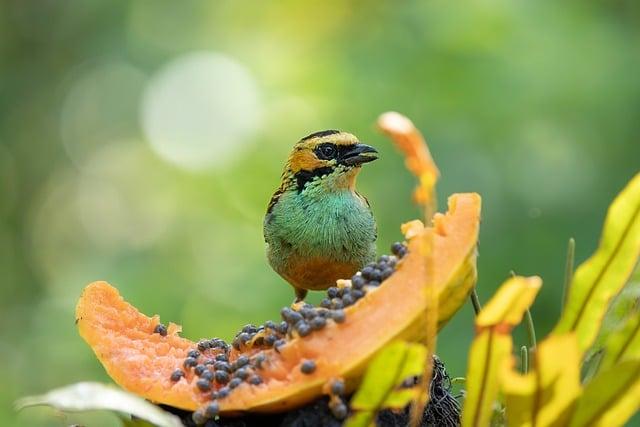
100	107
201	111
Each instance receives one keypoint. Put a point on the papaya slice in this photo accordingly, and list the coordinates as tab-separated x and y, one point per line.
145	358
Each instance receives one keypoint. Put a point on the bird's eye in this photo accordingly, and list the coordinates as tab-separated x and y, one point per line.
326	151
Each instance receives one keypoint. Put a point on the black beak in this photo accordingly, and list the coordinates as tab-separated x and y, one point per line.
358	154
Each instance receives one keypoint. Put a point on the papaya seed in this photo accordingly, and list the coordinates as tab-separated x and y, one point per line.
337	388
204	345
318	323
338	316
279	344
303	328
212	409
270	340
367	272
207	375
347	300
222	357
221	365
336	303
190	362
339	410
241	361
332	292
308	366
251	329
357	281
160	329
223	392
294	317
198	417
283	327
203	385
326	303
176	375
374	283
193	354
234	383
221	377
241	373
357	294
308	312
199	369
396	248
270	324
258	360
255	380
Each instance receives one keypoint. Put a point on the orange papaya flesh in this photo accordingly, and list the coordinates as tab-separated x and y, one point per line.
294	371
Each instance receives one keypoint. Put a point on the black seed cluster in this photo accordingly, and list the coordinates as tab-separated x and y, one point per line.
218	376
160	329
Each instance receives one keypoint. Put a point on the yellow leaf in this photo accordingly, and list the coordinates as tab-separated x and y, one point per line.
379	389
623	344
381	377
487	353
493	345
545	396
399	399
611	398
602	276
510	302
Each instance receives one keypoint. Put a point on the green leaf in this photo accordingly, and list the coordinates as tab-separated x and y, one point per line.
398	361
611	398
623	344
620	333
602	276
88	396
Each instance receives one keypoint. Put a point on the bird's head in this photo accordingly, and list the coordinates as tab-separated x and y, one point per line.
328	155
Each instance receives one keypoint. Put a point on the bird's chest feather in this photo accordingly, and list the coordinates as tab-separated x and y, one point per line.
337	225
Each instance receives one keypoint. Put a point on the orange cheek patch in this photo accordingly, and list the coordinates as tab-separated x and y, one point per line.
305	160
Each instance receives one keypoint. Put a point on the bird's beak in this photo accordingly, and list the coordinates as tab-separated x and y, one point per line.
359	154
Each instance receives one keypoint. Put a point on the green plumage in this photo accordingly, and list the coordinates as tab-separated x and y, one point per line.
318	229
325	223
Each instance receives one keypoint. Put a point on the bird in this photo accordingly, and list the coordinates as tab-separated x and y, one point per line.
317	227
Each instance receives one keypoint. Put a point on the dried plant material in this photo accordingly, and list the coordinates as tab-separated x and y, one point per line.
417	156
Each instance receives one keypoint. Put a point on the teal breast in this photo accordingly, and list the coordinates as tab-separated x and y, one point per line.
315	237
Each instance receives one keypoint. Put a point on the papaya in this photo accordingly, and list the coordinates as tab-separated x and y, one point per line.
279	366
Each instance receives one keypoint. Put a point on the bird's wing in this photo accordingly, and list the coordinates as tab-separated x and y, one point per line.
274	199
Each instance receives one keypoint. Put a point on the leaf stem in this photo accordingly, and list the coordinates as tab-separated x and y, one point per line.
524	360
475	301
568	270
531	330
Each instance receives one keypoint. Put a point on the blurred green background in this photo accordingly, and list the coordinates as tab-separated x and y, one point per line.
140	143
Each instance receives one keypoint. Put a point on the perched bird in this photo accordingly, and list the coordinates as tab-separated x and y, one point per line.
318	228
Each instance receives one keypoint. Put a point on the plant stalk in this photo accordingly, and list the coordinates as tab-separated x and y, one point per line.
568	270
